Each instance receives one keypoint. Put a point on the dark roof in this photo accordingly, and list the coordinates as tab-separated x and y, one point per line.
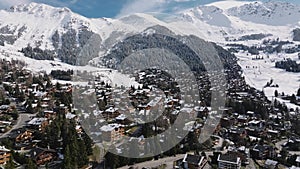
262	148
233	158
237	130
192	159
37	151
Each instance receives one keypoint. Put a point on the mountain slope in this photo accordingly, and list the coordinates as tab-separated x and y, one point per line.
249	29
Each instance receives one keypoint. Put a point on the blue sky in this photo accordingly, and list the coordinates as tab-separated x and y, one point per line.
117	8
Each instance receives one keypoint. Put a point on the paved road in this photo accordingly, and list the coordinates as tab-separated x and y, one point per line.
279	144
251	164
154	163
220	143
20	123
169	160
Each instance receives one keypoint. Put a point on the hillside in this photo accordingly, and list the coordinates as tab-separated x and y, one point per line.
56	38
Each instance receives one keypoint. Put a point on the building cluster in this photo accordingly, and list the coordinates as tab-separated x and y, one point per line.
37	102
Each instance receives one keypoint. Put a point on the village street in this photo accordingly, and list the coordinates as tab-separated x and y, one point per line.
23	118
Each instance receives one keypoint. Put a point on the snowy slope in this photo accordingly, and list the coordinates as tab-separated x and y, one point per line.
214	22
40	21
225	22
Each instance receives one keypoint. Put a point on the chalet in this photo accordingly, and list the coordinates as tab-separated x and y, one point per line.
271	164
243	118
273	133
262	152
226	122
194	161
42	156
23	137
122	119
112	132
110	113
49	114
256	128
155	103
4	125
202	111
189	112
5	155
236	133
38	123
257	123
61	109
293	143
4	108
231	161
242	153
287	125
250	113
40	95
79	129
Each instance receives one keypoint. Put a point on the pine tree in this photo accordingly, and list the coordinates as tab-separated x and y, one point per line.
67	162
30	164
82	157
298	92
276	93
111	160
10	164
29	108
58	86
293	98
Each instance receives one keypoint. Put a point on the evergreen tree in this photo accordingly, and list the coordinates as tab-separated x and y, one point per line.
67	162
111	160
30	164
58	86
293	98
276	93
10	164
29	108
82	157
284	153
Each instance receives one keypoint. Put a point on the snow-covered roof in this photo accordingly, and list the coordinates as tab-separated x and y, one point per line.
37	121
70	116
271	162
186	110
110	127
121	117
3	149
40	94
111	110
4	107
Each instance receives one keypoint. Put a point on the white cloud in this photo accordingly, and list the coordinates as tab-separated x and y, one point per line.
140	6
183	0
9	3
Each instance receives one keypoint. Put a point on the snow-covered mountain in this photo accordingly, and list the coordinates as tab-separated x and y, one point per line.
63	35
35	24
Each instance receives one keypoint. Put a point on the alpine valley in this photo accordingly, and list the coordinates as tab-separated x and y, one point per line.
258	46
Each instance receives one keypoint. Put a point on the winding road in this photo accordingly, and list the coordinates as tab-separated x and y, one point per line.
23	118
